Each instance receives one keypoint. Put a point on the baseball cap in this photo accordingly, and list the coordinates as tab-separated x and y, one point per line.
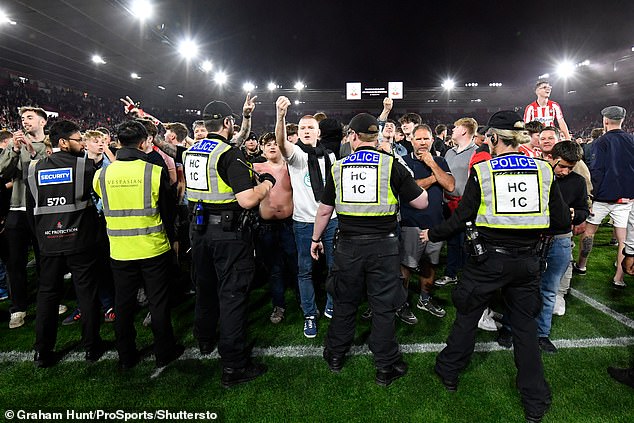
252	136
364	123
217	110
506	119
613	112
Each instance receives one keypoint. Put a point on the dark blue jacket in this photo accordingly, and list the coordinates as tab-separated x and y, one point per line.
612	166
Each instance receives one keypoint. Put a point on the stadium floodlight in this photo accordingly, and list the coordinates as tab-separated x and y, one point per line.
248	86
220	78
98	60
272	86
141	9
135	75
448	84
612	84
188	49
296	102
206	66
299	85
179	95
544	76
565	69
471	84
495	84
584	63
4	18
160	87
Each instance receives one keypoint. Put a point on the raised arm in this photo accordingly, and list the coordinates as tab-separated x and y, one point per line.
387	107
285	146
245	128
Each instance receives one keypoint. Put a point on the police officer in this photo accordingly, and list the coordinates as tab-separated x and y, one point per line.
65	223
220	189
512	200
140	208
363	188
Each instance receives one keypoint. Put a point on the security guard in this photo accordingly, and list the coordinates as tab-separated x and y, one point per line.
219	189
512	200
140	208
65	223
363	188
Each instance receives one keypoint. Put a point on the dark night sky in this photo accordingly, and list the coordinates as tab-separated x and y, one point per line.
420	43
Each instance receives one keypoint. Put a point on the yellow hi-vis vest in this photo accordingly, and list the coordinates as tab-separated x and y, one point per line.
514	192
362	184
203	183
130	191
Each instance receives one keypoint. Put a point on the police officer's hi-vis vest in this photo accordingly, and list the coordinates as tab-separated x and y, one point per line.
514	192
362	184
130	191
201	173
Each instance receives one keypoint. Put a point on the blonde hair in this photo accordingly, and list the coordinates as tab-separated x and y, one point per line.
93	134
470	123
512	138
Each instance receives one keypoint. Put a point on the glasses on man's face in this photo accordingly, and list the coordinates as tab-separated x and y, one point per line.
75	139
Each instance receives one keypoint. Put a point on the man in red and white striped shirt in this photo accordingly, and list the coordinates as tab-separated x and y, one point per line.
546	111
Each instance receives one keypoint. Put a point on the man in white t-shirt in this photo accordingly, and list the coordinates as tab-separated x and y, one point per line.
308	164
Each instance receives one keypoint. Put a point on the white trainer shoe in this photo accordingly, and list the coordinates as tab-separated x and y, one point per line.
487	322
560	306
17	319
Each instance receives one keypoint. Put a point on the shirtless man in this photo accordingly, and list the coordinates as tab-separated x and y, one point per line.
276	226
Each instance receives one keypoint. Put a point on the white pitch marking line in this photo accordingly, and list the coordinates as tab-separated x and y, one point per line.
299	351
302	351
603	308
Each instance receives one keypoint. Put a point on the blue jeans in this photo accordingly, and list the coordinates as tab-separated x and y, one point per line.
303	235
276	246
558	260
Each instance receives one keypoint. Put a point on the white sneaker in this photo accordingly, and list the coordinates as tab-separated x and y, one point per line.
446	280
31	264
148	320
17	319
560	306
62	309
487	323
68	276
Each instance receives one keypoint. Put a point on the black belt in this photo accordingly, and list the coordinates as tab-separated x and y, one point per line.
512	251
367	237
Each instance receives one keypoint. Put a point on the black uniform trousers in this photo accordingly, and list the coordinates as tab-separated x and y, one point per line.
519	277
19	237
153	275
366	267
223	266
84	268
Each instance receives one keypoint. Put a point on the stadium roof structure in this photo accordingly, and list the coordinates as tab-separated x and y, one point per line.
102	48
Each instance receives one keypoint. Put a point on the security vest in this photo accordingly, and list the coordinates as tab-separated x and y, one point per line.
362	184
130	191
515	190
63	214
202	180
